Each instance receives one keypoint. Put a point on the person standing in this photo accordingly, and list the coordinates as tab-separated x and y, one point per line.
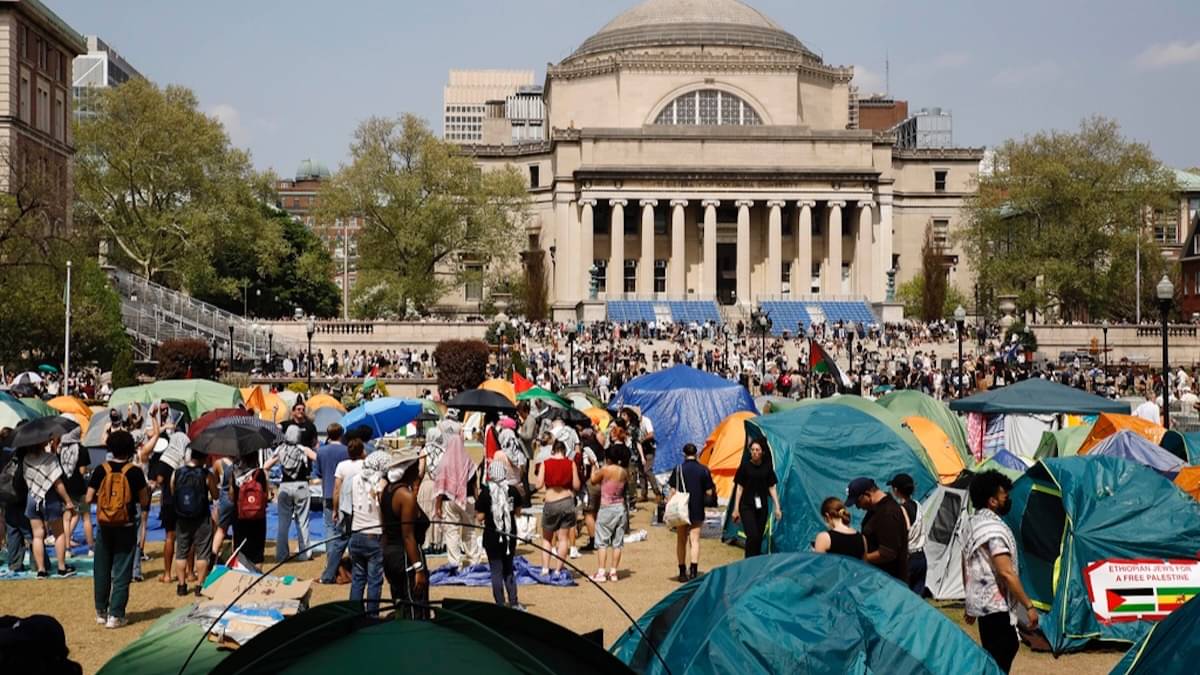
885	527
17	530
366	552
902	491
47	502
451	500
1149	410
195	489
342	508
226	510
995	598
695	479
560	478
612	517
308	430
497	508
329	455
117	488
293	500
74	460
839	537
404	525
248	492
753	485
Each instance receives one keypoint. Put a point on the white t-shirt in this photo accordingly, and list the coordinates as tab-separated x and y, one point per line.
366	507
1149	411
346	470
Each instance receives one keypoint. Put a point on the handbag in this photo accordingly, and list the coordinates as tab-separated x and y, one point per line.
676	513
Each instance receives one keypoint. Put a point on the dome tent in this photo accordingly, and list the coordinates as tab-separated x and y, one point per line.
907	403
722	452
945	512
685	405
1170	648
1131	445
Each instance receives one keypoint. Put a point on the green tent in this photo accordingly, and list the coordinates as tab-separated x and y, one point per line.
1038	396
199	396
1076	521
13	412
907	403
1184	445
39	406
545	395
798	613
463	637
817	448
1170	648
1063	443
164	647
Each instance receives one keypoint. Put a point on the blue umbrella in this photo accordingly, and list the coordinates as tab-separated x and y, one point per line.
383	415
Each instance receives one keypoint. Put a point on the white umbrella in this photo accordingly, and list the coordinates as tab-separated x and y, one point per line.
28	377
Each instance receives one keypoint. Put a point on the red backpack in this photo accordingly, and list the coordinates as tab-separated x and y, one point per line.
252	499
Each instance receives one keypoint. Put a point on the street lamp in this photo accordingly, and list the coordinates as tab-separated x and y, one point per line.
960	319
851	333
254	330
270	350
310	327
571	349
762	323
1166	295
231	346
1104	326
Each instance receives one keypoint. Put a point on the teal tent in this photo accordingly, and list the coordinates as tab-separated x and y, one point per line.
1184	445
165	646
198	396
1038	396
798	613
1170	648
1064	442
907	403
1078	518
817	448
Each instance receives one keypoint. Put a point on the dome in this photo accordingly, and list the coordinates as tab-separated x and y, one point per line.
670	23
311	170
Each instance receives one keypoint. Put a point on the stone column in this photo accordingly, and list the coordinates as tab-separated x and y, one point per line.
802	270
615	284
831	276
645	283
885	246
774	285
708	271
864	267
677	267
558	260
587	235
743	251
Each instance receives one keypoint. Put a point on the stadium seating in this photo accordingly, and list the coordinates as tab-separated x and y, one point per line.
633	311
786	316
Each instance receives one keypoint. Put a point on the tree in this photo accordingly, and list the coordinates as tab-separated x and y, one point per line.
181	359
159	180
933	273
1059	220
32	211
461	365
425	208
912	294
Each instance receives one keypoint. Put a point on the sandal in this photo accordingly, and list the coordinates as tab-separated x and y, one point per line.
599	577
612	576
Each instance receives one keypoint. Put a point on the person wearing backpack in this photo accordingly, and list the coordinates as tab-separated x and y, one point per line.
248	492
46	504
117	488
195	489
293	500
18	530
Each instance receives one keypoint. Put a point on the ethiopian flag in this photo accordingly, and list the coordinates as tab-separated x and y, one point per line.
820	362
1172	598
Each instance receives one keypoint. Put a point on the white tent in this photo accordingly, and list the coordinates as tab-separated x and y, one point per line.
945	516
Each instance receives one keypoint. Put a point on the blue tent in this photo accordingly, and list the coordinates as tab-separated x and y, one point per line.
798	613
1036	395
685	405
1132	446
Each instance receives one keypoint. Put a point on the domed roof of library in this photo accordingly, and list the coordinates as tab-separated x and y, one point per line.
668	23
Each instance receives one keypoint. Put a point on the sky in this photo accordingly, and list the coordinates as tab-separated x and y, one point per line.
291	79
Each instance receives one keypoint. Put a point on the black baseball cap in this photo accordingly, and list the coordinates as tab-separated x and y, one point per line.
859	487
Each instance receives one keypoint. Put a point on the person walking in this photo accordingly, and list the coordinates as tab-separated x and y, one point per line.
695	479
995	598
839	537
195	489
497	508
74	460
885	527
292	502
329	454
902	491
451	502
612	518
753	484
404	525
117	488
366	552
342	509
560	478
45	505
248	492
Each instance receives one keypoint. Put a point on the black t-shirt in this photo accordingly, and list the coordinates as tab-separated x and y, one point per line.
755	480
886	528
308	432
137	483
74	480
161	471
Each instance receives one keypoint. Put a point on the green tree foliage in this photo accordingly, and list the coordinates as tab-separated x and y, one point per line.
425	207
178	358
1059	220
461	365
159	181
912	295
933	273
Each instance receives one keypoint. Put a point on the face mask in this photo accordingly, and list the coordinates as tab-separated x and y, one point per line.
395	475
1004	508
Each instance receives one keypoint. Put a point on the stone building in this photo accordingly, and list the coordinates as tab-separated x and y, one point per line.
299	198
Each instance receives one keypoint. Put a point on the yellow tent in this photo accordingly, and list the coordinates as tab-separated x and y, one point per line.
722	452
1108	424
1188	480
599	417
323	401
502	387
268	405
941	451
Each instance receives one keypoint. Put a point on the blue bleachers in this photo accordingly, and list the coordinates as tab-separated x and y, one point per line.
698	311
633	311
787	315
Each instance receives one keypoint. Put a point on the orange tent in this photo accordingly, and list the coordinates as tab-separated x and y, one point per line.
723	451
1108	424
1188	480
502	387
941	451
70	404
268	405
323	401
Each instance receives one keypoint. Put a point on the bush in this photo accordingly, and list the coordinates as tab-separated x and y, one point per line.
461	365
122	369
177	357
1025	336
298	387
912	292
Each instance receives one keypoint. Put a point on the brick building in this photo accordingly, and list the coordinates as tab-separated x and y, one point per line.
881	113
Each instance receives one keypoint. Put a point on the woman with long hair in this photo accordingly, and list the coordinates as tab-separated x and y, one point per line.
404	525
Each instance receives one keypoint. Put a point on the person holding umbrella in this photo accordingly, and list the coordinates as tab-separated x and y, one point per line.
48	499
243	437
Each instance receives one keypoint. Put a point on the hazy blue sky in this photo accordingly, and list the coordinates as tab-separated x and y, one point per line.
292	78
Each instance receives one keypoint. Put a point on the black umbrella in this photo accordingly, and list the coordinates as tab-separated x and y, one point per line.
571	416
40	431
234	440
482	400
249	422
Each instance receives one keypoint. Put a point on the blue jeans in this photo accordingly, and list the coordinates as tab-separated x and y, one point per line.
18	531
366	555
293	507
336	541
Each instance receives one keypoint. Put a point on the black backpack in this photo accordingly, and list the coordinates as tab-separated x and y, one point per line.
13	489
191	492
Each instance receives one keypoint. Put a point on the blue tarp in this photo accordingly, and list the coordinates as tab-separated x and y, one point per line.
481	575
1010	461
1132	446
685	405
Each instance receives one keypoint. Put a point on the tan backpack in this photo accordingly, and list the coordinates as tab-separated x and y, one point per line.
114	496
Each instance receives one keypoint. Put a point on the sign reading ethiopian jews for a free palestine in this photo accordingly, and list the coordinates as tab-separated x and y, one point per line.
1133	590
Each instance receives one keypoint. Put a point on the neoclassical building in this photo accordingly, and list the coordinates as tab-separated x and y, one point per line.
696	150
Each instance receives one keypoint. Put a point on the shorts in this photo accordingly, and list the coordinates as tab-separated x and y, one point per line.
593	499
191	532
226	514
558	515
611	523
168	517
48	510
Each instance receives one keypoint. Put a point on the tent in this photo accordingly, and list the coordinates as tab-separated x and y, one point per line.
1084	526
685	405
945	512
798	613
323	401
1184	445
1036	395
198	396
13	412
165	646
1063	443
1108	424
907	403
1188	480
817	448
945	457
1132	446
722	452
70	404
269	405
39	406
1170	648
502	387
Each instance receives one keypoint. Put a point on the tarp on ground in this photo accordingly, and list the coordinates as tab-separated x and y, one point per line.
816	449
722	452
1108	424
907	402
1078	521
1038	396
798	613
946	460
164	647
685	405
1063	443
199	396
1170	648
1130	445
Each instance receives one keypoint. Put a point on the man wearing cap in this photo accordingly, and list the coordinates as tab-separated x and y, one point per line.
902	491
885	527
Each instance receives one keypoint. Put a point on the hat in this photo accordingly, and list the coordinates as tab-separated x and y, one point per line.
292	435
859	487
404	456
903	482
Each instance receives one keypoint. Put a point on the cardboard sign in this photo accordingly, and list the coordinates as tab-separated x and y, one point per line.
232	583
1140	590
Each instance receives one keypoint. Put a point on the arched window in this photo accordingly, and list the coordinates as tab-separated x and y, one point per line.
708	107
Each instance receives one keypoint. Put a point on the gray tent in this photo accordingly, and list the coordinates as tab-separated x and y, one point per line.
945	516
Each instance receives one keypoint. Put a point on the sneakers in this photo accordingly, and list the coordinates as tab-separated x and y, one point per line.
116	622
181	590
612	575
67	571
101	619
43	575
545	571
599	577
518	606
574	554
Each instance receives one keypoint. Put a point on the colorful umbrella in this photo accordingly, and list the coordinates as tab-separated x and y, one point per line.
600	418
502	387
383	415
209	418
47	368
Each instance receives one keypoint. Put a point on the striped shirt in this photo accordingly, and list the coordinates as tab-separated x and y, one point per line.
42	469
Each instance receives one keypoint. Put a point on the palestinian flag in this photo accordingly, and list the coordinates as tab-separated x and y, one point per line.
520	383
1172	598
371	380
820	362
1132	601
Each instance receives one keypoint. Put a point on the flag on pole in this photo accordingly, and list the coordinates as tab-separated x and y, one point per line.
820	362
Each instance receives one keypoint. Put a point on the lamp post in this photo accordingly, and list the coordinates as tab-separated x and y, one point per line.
270	350
1166	295
571	350
725	352
1104	326
214	356
231	346
254	329
960	320
762	323
851	333
245	297
310	327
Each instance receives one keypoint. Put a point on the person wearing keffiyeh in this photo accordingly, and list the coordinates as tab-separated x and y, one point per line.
451	502
496	509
